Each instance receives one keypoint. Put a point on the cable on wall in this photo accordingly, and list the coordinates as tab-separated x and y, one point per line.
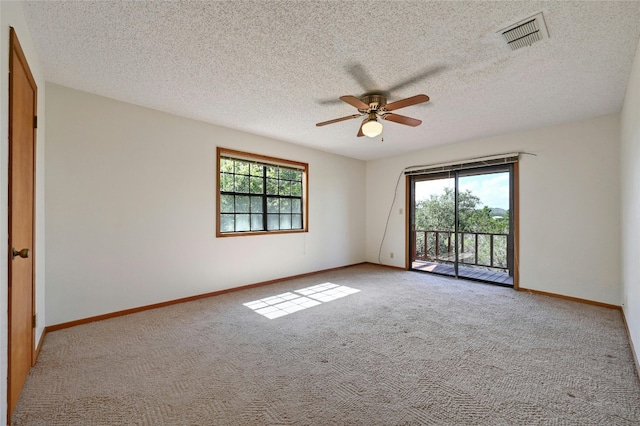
386	226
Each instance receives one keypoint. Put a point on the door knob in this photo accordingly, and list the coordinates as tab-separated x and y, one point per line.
24	253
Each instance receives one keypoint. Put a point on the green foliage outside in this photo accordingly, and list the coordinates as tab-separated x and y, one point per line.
438	214
246	185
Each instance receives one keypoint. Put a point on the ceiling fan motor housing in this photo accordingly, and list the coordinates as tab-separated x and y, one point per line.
375	102
374	107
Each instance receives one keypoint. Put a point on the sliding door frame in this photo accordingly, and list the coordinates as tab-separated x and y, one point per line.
514	206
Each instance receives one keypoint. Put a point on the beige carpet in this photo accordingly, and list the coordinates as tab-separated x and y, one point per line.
409	348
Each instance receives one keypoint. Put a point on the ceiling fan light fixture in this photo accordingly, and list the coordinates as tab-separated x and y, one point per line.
371	127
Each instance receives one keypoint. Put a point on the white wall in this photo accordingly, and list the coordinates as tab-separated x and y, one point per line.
569	205
131	209
630	184
11	15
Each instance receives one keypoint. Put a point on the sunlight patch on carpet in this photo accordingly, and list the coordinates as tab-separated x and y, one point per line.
288	303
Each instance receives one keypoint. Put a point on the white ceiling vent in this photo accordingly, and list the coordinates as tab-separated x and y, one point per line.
525	32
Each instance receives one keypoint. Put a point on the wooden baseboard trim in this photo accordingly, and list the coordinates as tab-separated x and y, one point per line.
573	299
64	325
634	354
37	351
397	268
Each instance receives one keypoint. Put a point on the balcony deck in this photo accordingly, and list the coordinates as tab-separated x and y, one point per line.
494	277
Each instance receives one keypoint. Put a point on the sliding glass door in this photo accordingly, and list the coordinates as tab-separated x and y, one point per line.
433	213
461	223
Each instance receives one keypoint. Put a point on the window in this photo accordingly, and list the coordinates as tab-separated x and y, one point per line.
258	194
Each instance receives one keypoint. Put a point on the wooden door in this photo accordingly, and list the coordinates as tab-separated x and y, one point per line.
22	124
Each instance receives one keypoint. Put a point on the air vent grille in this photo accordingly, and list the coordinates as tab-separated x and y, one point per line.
525	32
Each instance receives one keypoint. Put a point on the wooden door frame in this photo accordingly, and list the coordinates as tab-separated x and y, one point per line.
515	200
15	47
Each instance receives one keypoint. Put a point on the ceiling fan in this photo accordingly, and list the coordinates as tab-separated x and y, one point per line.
374	107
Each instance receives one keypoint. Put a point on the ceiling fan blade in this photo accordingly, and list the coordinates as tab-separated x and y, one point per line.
417	99
353	101
360	130
337	120
397	118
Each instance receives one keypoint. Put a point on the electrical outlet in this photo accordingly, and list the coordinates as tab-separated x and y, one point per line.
391	255
399	211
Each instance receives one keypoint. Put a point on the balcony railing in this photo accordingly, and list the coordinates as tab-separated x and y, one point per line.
474	248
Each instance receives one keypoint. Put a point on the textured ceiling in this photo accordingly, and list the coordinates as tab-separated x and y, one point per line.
277	68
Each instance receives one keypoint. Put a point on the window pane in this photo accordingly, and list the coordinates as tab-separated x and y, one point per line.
256	205
296	206
256	222
226	204
285	221
296	221
242	167
273	205
284	187
286	173
242	222
296	189
272	172
226	182
272	186
242	204
226	165
256	185
226	223
273	222
285	205
297	175
242	183
256	169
